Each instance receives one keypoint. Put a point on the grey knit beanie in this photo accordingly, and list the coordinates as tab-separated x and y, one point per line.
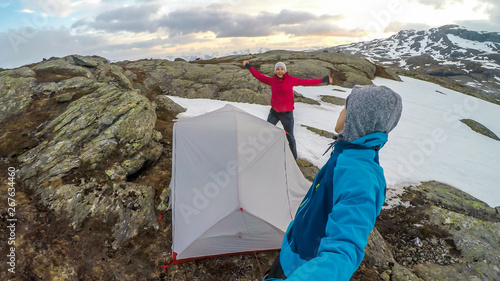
371	109
278	65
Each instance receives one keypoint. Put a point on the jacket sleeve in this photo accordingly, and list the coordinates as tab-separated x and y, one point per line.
261	77
349	224
306	82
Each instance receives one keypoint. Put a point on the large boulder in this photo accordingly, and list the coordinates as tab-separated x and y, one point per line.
18	72
476	239
15	94
444	232
128	207
164	103
58	69
101	138
107	123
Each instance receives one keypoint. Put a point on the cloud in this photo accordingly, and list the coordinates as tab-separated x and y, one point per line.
135	13
438	4
492	9
292	17
4	5
295	23
145	45
221	23
494	12
213	18
145	28
133	19
257	29
53	8
225	24
20	47
321	28
27	11
397	26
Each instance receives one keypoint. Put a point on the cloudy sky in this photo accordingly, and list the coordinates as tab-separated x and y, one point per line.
31	30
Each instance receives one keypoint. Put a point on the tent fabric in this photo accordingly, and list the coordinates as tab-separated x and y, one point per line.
235	185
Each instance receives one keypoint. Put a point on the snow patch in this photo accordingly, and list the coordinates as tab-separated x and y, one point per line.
469	44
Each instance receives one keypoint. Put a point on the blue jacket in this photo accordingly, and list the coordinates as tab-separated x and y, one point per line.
326	240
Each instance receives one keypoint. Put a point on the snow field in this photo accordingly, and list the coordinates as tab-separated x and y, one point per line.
429	143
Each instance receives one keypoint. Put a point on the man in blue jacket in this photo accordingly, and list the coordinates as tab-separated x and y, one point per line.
327	238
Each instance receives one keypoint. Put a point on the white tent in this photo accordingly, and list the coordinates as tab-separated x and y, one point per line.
235	185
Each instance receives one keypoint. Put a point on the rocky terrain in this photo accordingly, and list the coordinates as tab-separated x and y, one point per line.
90	143
461	59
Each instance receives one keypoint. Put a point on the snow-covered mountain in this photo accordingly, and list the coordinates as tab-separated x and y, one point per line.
469	57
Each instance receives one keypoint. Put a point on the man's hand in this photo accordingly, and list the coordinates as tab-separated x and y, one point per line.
245	62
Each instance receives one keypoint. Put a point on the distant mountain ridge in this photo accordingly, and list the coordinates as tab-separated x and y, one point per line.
205	56
471	58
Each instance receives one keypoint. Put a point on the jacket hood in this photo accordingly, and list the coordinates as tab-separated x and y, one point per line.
371	109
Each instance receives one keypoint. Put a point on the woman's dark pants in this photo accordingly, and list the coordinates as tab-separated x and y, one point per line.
286	119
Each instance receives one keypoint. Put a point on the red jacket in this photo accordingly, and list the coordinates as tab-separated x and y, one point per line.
282	89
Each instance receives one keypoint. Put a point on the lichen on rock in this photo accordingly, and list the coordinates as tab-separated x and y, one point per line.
60	69
457	234
127	206
111	127
90	130
480	128
15	94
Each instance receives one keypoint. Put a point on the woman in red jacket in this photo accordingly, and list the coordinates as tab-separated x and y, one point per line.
282	103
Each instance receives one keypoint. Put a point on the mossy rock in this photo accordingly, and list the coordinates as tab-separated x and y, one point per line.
307	168
353	79
300	98
181	83
453	199
244	95
15	95
55	70
308	69
130	204
88	61
165	103
346	69
476	239
334	100
18	72
402	273
107	124
322	133
386	73
480	128
195	72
